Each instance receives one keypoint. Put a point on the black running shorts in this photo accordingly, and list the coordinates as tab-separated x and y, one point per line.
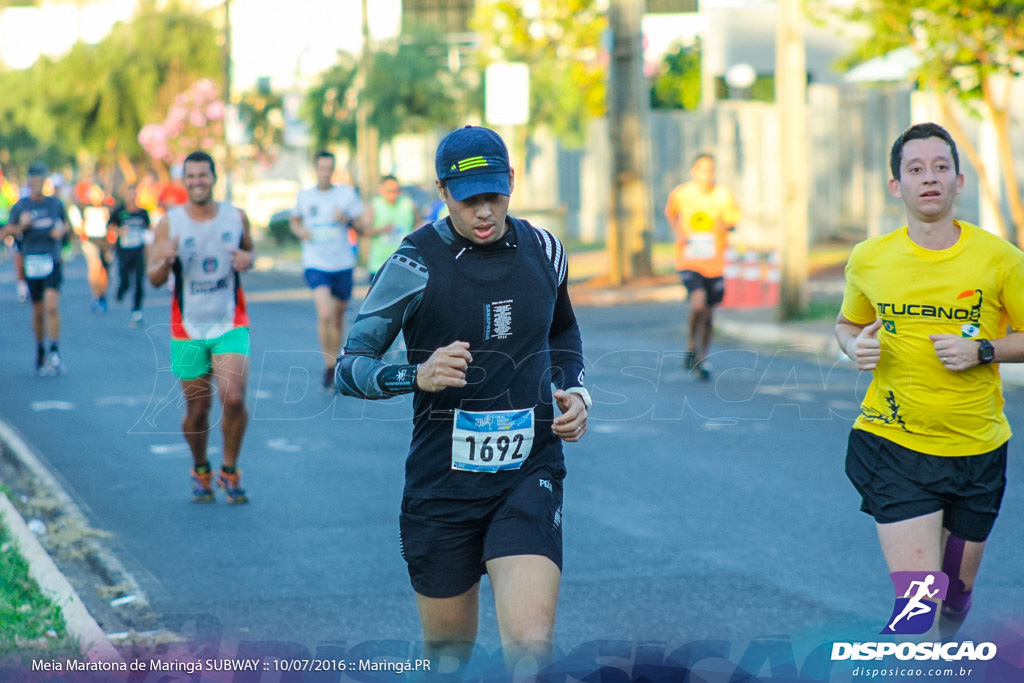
38	286
897	483
714	287
447	542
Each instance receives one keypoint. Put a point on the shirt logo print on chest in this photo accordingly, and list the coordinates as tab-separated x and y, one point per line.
498	320
967	309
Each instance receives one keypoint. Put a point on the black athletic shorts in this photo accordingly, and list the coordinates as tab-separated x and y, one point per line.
897	483
36	286
446	542
714	287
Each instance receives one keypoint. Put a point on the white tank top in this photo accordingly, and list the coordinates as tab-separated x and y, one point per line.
208	299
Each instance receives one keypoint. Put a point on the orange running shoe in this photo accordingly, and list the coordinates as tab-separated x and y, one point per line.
232	485
202	486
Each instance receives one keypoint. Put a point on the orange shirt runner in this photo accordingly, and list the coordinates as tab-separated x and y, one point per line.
701	221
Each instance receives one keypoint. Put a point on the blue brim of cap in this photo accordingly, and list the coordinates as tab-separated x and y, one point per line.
463	188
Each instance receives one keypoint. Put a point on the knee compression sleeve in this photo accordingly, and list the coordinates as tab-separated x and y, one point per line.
957	598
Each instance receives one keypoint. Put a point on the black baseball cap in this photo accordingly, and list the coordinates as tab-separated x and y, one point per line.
473	160
38	168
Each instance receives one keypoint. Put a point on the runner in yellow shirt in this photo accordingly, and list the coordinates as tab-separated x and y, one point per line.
925	310
702	214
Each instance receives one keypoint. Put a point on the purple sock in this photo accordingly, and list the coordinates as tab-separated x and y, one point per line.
957	598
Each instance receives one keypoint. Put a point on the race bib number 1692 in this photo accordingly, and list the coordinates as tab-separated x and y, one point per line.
491	441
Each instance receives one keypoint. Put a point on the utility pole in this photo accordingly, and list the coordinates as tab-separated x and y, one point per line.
630	217
367	137
791	98
228	109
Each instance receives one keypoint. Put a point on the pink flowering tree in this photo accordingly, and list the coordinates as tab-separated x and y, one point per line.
195	120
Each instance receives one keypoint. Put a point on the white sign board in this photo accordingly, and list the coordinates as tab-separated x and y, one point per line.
507	87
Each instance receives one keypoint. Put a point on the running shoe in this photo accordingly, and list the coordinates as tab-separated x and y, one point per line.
53	362
202	486
328	383
232	485
41	368
703	369
688	360
136	318
22	289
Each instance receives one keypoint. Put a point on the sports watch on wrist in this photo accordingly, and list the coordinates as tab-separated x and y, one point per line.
582	393
986	352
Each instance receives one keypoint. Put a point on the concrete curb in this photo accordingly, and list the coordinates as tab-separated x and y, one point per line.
94	642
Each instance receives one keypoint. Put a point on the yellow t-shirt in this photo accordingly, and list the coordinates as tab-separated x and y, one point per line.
701	221
974	289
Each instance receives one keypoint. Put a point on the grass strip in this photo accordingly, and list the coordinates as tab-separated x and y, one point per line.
31	625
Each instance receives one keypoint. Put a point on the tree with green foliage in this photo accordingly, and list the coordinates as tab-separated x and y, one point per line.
969	51
21	140
96	99
160	53
409	89
677	84
261	111
560	40
330	105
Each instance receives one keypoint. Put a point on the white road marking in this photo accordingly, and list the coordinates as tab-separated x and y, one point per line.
283	445
175	448
122	400
40	406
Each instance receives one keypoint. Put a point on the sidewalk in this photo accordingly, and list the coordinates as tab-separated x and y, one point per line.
756	326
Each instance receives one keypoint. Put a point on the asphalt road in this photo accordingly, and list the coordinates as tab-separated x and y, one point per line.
693	512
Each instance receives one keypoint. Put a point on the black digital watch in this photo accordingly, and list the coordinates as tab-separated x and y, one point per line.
986	352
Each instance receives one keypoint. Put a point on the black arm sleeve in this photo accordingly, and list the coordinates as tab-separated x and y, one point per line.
362	370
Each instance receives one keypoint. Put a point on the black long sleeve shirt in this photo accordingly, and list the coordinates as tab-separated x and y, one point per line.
362	369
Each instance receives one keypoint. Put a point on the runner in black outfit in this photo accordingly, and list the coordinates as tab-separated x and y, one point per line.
132	225
482	300
39	225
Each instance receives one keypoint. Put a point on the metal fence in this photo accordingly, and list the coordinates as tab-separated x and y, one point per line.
851	130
